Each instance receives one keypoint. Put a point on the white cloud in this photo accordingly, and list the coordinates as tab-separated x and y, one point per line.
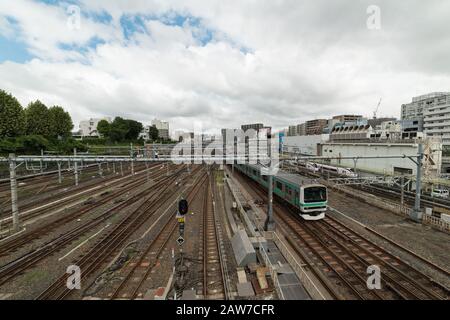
279	62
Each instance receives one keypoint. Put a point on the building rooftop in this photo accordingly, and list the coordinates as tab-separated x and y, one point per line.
430	96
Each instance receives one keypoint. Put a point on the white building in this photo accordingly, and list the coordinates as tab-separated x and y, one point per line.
434	109
88	128
163	128
432	159
305	145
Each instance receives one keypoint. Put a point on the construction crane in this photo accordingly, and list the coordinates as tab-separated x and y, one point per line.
376	110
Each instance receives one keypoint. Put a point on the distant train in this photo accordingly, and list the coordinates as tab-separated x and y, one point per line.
317	167
305	194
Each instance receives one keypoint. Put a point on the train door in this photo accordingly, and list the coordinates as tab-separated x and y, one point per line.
290	195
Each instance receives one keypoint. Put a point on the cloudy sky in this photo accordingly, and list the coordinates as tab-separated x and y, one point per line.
223	63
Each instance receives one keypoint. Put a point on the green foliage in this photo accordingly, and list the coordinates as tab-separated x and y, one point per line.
61	124
12	117
34	145
37	119
104	128
120	130
23	145
154	134
67	146
134	129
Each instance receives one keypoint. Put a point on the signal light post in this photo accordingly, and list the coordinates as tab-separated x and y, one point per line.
183	207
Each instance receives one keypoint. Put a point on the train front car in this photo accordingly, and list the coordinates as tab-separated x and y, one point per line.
313	201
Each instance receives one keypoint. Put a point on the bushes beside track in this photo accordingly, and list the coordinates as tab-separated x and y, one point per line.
32	145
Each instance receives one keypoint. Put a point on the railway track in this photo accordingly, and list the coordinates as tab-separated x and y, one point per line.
21	264
45	178
64	199
132	283
335	251
408	196
13	244
214	283
30	203
113	241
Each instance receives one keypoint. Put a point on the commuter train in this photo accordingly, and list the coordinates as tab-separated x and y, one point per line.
317	167
306	195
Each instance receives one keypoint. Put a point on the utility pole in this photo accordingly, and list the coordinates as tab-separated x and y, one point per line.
270	223
402	198
40	162
416	214
14	203
75	166
132	162
100	171
59	172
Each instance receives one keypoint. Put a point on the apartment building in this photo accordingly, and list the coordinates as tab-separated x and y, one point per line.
433	110
315	127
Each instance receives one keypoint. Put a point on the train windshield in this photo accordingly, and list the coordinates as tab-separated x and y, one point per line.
315	194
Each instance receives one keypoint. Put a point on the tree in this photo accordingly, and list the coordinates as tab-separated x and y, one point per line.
104	128
61	123
119	130
154	133
37	119
12	117
134	129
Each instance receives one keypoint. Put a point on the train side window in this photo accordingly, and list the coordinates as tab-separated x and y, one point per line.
265	178
279	185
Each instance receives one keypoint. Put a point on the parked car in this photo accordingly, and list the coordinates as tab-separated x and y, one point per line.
440	193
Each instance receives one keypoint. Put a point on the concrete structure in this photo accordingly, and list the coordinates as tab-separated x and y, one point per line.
88	128
298	130
436	118
305	145
315	127
292	131
254	126
347	118
434	110
412	129
352	132
243	249
432	159
163	128
301	129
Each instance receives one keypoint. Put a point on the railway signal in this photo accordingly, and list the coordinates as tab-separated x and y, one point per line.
183	207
